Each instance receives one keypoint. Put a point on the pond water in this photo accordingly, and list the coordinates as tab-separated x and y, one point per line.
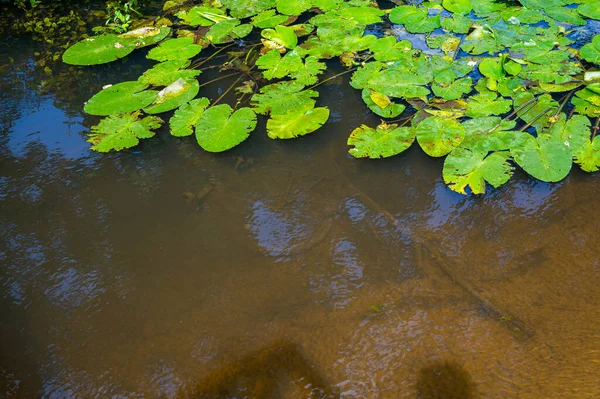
280	269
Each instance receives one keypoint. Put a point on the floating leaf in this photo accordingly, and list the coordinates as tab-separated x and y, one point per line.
283	97
120	98
167	72
177	93
438	136
454	90
415	20
464	168
226	31
295	7
202	16
588	156
269	19
118	132
545	158
282	35
98	50
458	6
574	133
247	8
591	51
390	110
218	129
486	104
186	117
590	9
385	141
181	48
146	36
296	123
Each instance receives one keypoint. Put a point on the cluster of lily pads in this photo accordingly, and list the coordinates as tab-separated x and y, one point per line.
498	84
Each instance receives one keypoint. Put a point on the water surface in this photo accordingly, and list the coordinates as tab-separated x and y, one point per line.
281	268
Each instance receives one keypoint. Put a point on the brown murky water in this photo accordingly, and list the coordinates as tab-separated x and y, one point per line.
280	269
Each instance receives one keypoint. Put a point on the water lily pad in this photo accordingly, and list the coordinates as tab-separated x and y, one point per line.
146	36
382	142
283	97
185	118
588	156
591	51
118	132
177	93
202	16
464	168
590	9
269	19
167	72
182	48
120	98
247	8
438	136
386	108
546	158
98	50
297	122
282	35
458	6
454	90
218	129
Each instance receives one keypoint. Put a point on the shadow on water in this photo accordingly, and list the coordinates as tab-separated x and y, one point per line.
444	380
274	371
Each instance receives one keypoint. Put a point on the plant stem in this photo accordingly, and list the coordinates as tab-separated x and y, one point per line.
595	128
217	79
515	112
214	54
331	78
538	116
226	91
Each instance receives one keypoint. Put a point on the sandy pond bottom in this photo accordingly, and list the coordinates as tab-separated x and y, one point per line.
283	269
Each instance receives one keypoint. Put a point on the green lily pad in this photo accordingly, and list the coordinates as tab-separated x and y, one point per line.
590	9
268	19
295	7
588	156
120	98
118	132
386	109
146	36
454	90
185	117
296	123
97	50
385	141
486	104
438	136
283	97
282	35
591	51
415	20
464	168
218	129
167	72
247	8
182	48
226	31
546	158
202	16
458	6
177	93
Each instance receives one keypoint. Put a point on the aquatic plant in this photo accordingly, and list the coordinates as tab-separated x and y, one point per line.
500	84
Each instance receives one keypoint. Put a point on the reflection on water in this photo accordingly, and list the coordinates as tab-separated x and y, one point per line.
283	268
